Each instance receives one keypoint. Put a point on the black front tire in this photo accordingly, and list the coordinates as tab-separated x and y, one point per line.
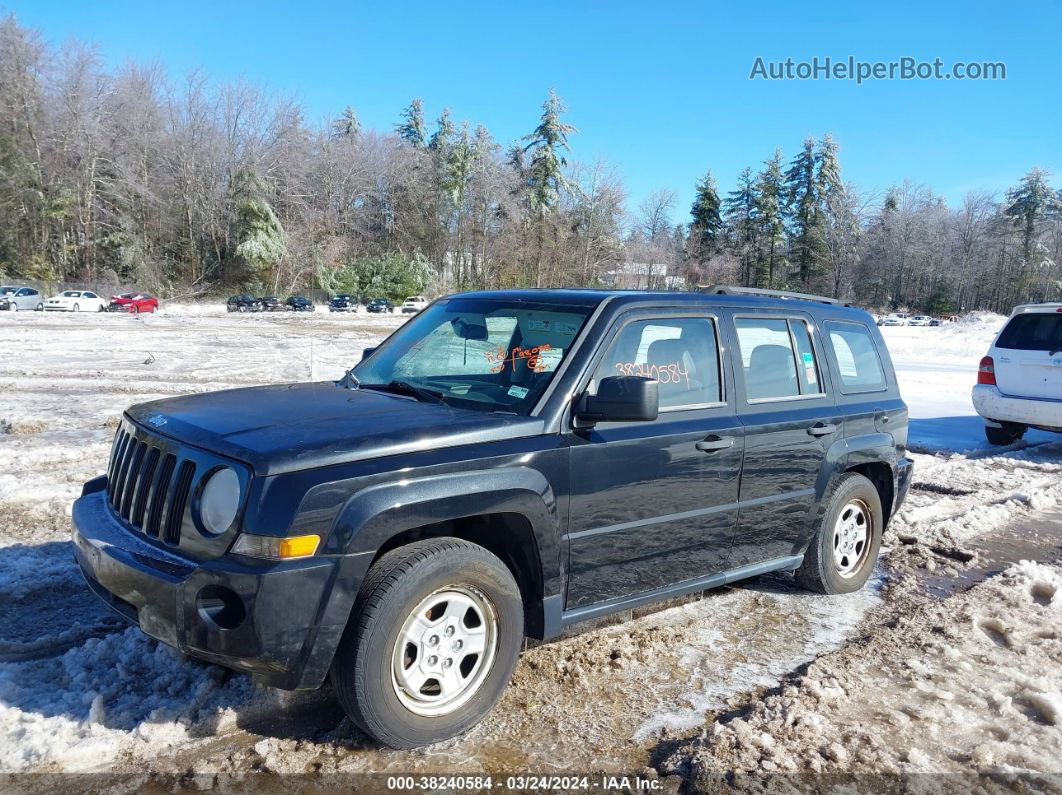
1008	434
824	570
363	672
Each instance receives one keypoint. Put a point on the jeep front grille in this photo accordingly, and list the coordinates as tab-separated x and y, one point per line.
145	485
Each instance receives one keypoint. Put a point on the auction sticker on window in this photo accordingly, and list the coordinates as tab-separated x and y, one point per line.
809	368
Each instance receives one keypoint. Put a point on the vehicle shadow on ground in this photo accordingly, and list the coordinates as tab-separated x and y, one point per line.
963	434
47	606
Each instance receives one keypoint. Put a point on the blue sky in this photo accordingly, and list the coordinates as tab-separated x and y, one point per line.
660	89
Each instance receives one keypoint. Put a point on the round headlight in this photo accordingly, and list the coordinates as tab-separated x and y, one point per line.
219	501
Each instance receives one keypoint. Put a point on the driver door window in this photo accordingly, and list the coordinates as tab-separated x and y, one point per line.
681	353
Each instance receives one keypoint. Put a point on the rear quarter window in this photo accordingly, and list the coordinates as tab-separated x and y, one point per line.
858	364
1033	331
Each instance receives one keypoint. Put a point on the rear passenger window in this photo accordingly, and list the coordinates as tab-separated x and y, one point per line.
777	358
680	353
858	364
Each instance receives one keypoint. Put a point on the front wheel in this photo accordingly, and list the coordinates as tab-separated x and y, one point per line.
431	642
13	306
843	552
77	308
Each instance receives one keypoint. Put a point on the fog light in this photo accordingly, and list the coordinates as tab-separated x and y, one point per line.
276	548
218	605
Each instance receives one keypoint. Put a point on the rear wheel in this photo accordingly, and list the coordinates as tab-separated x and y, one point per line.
1008	433
40	307
842	555
431	642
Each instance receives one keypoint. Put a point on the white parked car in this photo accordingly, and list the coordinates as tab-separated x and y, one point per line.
413	304
75	301
1019	382
920	320
13	298
895	319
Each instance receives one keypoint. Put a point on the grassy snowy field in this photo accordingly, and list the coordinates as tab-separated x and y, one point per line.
79	691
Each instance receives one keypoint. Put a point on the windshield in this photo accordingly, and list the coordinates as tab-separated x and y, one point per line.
480	353
8	290
71	294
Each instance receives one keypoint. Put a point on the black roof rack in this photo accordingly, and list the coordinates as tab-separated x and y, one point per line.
723	289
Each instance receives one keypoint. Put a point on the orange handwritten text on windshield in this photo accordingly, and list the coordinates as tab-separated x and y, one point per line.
530	357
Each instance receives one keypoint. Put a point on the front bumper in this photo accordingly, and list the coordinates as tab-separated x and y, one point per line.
993	405
281	622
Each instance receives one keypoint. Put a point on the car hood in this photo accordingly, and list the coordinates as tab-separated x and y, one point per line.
290	427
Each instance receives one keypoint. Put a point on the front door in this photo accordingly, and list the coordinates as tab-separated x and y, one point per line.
654	503
790	420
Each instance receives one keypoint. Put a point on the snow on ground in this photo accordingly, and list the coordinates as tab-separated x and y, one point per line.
79	691
971	685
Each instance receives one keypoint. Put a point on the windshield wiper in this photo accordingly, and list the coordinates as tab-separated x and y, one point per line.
406	388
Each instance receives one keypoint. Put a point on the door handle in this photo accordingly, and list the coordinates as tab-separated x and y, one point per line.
822	429
713	443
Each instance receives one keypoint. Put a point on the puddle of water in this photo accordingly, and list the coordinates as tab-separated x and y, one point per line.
1037	537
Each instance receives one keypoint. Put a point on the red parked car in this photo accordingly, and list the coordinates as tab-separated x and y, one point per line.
133	302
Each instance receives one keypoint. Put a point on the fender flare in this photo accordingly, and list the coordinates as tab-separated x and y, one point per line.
373	516
842	455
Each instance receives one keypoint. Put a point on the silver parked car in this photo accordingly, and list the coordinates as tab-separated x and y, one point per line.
14	298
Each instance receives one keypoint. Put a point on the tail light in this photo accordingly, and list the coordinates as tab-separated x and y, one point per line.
986	371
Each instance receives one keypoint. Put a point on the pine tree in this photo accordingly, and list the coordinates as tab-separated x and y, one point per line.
770	223
347	125
261	239
444	132
802	207
1029	204
545	174
706	230
411	128
739	210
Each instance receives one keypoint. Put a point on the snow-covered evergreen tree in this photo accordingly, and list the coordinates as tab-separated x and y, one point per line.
706	230
802	208
770	222
411	128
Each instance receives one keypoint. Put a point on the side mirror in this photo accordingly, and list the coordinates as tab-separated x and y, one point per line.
367	352
621	398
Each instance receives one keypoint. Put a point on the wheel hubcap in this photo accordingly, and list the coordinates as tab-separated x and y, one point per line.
444	650
851	538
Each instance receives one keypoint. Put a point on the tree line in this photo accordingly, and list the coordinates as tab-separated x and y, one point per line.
125	177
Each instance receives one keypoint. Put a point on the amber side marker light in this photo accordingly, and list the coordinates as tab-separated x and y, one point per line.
272	548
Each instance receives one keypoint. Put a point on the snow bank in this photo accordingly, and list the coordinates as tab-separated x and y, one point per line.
968	685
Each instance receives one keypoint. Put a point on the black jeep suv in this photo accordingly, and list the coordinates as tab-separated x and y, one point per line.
505	464
343	303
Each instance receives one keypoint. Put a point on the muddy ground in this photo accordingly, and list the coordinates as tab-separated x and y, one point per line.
686	693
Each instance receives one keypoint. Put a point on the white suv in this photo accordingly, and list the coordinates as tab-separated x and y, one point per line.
1019	382
413	304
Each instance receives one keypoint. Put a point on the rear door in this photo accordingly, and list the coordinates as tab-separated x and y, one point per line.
1028	355
787	407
